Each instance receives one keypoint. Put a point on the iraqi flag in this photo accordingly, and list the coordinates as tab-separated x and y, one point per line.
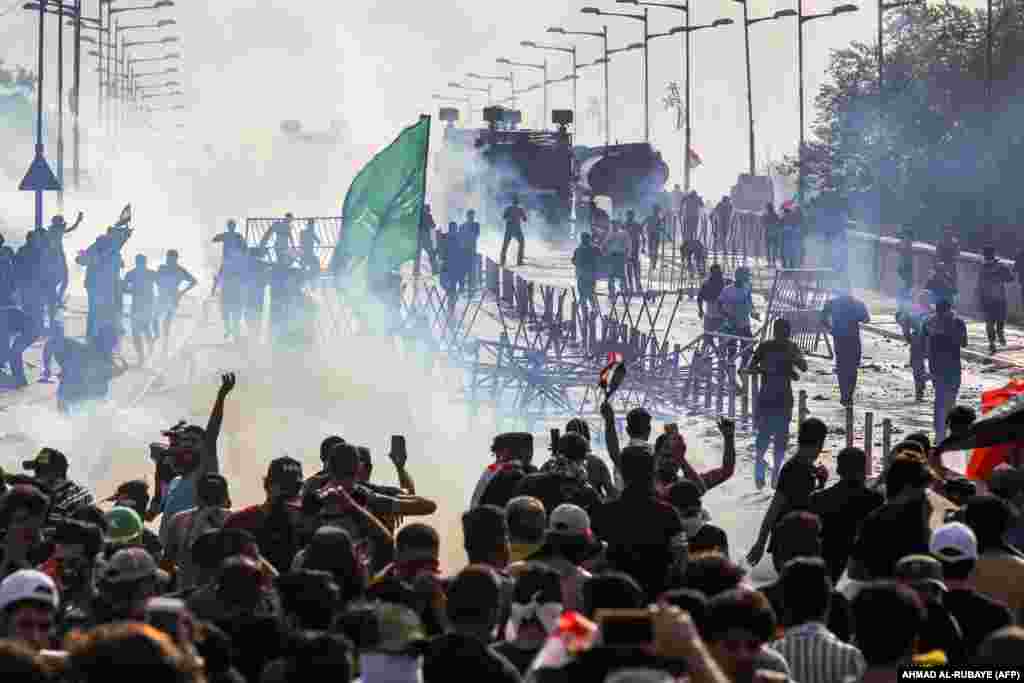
695	159
125	217
612	375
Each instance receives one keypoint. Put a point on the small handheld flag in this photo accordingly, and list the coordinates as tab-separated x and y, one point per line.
695	159
126	216
612	375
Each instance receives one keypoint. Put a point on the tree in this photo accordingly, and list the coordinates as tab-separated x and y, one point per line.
935	151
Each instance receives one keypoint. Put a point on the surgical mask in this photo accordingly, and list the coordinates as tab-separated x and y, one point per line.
547	613
377	667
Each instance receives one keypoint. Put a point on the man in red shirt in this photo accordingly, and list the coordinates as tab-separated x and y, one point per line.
274	523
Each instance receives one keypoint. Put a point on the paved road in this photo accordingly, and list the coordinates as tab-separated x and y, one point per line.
885	388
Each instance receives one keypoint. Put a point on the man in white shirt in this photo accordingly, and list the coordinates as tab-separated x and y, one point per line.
814	654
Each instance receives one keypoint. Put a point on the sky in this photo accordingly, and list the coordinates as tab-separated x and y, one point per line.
248	66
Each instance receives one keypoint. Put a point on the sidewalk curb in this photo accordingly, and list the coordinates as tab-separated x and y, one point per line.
974	356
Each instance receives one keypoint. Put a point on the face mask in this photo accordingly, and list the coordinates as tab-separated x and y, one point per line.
546	613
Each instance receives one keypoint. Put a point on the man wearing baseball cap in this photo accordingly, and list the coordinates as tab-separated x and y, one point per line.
941	631
135	495
274	522
956	547
50	467
28	608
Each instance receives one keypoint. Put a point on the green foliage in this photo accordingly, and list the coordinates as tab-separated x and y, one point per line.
933	147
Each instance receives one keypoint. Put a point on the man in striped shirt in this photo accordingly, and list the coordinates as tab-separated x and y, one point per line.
814	654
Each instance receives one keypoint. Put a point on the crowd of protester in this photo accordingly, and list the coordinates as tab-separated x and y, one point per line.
574	570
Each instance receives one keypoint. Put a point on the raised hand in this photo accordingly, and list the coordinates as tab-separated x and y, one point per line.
227	383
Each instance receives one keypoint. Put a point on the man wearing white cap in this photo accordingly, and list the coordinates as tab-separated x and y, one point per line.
956	547
28	607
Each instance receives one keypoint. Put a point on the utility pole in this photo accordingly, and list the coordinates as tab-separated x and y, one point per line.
76	100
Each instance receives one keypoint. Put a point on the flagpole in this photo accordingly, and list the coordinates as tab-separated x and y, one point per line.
423	193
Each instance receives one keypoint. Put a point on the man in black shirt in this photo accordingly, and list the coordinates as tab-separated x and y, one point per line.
51	470
843	507
642	532
513	453
777	361
956	547
898	528
514	218
944	335
842	316
563	479
586	258
797	481
465	652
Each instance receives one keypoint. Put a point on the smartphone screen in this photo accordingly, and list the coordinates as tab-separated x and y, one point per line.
627	631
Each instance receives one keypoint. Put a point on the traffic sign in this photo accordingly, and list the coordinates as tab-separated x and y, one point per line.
39	177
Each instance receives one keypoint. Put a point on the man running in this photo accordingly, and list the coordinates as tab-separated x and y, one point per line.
169	278
944	335
140	282
58	259
233	248
843	316
992	283
514	217
777	361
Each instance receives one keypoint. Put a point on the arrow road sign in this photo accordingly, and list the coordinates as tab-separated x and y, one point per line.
39	177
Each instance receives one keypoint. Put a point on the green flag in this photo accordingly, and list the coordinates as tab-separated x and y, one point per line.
381	214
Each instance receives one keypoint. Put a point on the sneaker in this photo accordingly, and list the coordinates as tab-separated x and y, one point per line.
1002	340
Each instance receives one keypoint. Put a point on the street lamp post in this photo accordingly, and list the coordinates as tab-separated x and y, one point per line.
568	50
687	30
544	69
510	79
487	90
46	7
801	20
643	18
686	55
603	35
747	23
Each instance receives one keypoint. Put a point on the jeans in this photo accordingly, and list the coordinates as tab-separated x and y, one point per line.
616	271
769	428
848	353
917	363
585	287
517	235
947	387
